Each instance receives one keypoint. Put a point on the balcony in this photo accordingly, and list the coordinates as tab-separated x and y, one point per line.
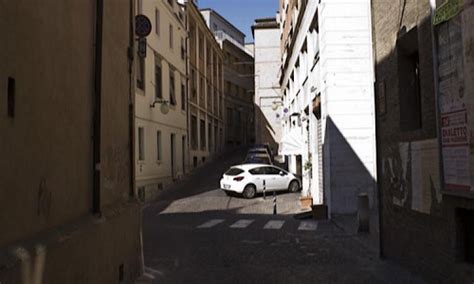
221	36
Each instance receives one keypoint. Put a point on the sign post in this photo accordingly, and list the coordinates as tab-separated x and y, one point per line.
142	30
142	47
142	26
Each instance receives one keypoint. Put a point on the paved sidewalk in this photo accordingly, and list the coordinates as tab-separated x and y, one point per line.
348	223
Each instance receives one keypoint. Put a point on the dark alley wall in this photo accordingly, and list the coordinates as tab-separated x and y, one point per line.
47	166
420	226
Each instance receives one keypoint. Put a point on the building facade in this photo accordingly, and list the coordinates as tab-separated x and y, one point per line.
161	99
66	179
205	85
267	99
424	85
328	100
238	80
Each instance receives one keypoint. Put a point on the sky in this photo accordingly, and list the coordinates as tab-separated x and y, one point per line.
242	13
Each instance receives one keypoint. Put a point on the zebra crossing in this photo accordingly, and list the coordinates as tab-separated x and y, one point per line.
304	225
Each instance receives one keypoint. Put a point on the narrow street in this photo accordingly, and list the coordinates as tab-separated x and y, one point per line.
196	233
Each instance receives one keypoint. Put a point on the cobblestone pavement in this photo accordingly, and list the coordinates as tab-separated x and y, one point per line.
194	233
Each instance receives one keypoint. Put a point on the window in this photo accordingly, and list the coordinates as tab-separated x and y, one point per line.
157	21
209	95
183	49
253	159
194	140
208	57
234	172
172	88
158	79
215	136
203	134
171	36
272	171
141	73
141	144
257	171
193	83
158	145
221	134
227	87
409	81
201	90
201	45
183	96
229	117
209	136
170	2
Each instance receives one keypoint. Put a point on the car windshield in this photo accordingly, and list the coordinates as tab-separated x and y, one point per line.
234	171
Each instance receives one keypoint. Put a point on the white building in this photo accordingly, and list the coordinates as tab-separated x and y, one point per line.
162	146
327	85
267	88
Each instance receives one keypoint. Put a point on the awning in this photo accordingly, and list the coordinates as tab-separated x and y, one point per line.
292	143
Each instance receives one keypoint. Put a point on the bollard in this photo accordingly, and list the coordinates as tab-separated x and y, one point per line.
264	186
363	217
274	203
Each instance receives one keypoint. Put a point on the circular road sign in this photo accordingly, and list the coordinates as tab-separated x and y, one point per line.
142	25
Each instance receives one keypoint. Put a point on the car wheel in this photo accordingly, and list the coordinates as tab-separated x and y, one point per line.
249	191
294	186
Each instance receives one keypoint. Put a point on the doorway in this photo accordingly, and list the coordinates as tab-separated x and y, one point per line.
299	165
172	155
183	153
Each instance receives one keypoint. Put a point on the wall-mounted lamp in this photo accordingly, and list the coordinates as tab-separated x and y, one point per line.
276	105
313	89
164	108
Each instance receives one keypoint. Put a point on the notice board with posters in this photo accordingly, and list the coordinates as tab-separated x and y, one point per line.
455	39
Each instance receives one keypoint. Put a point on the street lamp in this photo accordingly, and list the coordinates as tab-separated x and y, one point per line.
276	105
164	108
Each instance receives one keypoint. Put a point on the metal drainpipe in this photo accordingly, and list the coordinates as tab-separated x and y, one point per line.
188	139
131	107
97	108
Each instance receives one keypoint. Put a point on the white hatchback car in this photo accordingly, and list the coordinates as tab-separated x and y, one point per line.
248	179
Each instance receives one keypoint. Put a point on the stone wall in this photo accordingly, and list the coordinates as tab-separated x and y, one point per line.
420	225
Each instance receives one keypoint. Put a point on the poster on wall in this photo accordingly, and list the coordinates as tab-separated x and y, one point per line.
455	143
456	104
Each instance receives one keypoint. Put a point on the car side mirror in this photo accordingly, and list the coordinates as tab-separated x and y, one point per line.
282	173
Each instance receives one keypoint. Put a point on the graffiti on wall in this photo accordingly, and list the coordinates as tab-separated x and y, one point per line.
413	173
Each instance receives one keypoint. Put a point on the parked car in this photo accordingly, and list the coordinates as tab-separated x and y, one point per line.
261	151
258	159
265	146
249	179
